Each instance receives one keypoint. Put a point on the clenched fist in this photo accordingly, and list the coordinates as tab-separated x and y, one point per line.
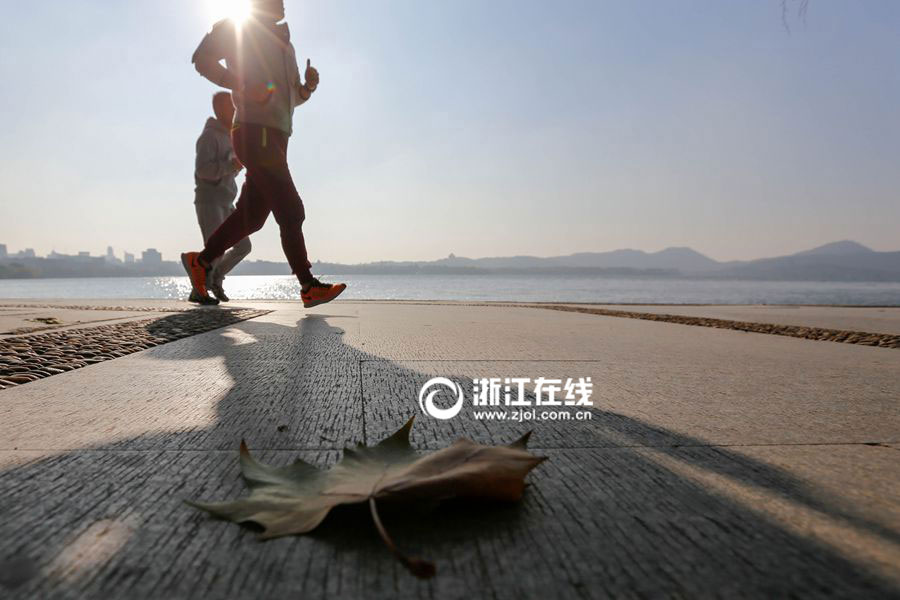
312	76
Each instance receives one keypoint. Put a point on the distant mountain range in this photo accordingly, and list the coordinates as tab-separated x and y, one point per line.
837	261
684	260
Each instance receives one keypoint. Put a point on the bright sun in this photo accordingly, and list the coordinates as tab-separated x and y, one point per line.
236	10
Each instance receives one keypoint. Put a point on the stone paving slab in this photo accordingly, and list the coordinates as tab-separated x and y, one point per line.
168	398
876	319
673	406
391	391
436	331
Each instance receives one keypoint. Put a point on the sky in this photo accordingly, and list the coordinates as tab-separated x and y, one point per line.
478	128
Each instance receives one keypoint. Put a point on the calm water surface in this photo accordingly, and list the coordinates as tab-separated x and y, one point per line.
468	287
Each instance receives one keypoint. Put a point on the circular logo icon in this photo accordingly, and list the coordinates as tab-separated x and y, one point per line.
426	403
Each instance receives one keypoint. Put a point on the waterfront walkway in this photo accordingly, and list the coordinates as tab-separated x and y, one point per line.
717	462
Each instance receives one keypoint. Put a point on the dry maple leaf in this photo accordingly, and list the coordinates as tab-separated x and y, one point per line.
296	498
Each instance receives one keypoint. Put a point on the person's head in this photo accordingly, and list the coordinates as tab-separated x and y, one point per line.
268	10
223	107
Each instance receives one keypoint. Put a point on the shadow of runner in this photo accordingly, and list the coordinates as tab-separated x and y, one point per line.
596	522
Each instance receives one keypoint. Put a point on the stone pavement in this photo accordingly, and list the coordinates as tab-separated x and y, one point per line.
716	463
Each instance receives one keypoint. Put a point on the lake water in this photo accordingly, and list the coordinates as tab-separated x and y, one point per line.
477	287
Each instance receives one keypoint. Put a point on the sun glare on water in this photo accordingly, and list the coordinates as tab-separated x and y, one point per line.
236	10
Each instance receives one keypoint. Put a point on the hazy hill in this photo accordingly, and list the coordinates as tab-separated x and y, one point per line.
843	247
838	261
678	259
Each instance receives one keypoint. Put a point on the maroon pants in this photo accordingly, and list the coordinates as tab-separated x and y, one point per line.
268	187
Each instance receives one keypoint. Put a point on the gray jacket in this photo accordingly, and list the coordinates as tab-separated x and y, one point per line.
214	170
257	55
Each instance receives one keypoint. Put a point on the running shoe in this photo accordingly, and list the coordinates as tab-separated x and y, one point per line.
218	292
197	275
320	293
202	300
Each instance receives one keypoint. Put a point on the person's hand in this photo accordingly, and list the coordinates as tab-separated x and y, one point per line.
236	164
258	92
312	77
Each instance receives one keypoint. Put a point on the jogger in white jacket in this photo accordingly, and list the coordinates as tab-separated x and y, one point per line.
215	170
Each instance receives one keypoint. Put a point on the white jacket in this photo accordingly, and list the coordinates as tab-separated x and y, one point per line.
214	171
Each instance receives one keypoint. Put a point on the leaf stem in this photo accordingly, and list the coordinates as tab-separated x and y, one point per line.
417	566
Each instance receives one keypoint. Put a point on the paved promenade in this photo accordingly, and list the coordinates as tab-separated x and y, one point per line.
717	463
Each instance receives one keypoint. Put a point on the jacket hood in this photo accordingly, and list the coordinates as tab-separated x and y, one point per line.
213	123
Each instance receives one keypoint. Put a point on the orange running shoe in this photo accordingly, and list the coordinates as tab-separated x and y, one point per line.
320	293
197	274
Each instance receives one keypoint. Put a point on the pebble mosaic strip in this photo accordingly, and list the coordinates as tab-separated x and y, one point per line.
31	357
882	340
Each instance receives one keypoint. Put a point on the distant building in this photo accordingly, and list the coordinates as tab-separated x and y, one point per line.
110	257
67	262
2	251
129	258
151	256
26	253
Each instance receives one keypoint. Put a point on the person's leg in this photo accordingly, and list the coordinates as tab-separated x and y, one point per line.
287	207
249	216
277	186
210	216
252	208
232	257
289	214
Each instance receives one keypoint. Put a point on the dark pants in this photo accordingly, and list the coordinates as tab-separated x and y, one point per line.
268	187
